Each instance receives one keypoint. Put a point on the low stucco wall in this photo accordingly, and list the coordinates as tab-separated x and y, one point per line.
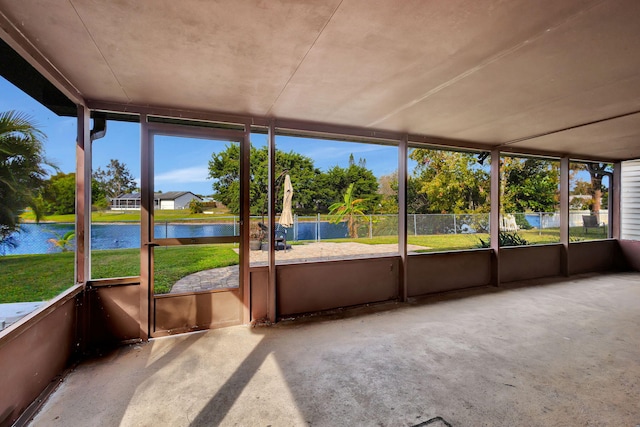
530	262
594	256
447	271
630	254
34	351
311	287
114	314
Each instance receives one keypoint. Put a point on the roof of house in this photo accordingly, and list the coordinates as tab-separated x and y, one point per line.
172	195
169	195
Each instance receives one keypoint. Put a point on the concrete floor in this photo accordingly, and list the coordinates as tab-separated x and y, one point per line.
558	354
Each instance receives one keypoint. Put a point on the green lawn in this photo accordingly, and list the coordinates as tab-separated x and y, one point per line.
173	263
42	277
35	277
450	242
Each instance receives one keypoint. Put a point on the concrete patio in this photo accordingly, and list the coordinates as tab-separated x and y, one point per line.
563	353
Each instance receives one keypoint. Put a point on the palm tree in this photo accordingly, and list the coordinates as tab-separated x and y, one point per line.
22	170
63	242
350	209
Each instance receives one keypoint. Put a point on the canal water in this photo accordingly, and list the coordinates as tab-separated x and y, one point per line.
34	238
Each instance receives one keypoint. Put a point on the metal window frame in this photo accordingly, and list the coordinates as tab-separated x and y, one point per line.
150	129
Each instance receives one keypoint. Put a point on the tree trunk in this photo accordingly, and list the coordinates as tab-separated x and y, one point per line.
596	195
351	225
597	201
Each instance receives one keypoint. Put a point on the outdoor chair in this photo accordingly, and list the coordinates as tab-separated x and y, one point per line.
508	223
591	221
279	235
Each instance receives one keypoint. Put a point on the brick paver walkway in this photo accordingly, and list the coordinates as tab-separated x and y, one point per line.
228	277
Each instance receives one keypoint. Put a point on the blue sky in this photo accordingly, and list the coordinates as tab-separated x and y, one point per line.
180	163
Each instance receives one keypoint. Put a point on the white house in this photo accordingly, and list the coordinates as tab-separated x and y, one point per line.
164	201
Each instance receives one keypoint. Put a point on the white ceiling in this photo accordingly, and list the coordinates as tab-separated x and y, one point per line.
558	76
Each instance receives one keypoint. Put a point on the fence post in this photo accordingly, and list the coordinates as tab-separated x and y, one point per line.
235	231
295	227
166	229
318	227
371	226
455	228
415	226
540	223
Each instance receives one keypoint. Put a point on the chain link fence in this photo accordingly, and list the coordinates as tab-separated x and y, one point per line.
41	238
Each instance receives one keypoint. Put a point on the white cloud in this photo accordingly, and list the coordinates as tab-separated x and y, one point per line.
184	175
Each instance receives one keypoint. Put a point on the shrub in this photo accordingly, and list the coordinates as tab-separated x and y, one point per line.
195	207
505	239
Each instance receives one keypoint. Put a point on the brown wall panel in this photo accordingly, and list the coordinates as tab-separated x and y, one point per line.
530	262
114	314
186	312
32	354
440	272
597	255
259	293
629	254
310	287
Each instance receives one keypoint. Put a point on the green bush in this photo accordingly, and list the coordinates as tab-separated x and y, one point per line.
196	207
505	239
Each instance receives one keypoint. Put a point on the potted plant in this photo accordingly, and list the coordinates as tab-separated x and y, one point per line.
255	237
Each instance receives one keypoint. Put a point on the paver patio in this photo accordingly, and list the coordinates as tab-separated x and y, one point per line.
227	277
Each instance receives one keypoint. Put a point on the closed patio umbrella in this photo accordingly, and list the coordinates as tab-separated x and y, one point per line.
286	218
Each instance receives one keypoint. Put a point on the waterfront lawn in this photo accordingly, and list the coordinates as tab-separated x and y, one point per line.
41	277
27	278
453	242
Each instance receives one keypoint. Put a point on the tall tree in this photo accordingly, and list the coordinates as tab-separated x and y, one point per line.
388	190
224	168
22	168
451	182
335	182
115	180
598	171
59	194
529	185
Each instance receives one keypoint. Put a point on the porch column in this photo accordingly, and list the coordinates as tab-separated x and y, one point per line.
271	286
564	214
146	230
615	189
494	217
83	197
402	215
245	182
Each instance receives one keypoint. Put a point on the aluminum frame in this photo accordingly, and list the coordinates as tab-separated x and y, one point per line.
147	298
